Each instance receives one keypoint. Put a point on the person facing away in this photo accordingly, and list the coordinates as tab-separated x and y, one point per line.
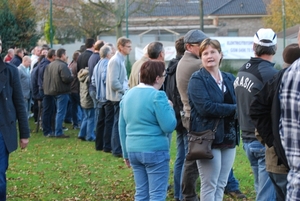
48	101
17	59
134	78
13	106
170	87
289	125
265	113
250	79
25	80
212	101
93	60
84	57
86	132
116	85
57	83
105	118
144	124
74	96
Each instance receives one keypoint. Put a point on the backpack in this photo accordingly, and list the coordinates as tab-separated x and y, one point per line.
170	87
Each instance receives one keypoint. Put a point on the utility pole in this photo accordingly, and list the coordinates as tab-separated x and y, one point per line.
283	21
201	15
126	14
51	27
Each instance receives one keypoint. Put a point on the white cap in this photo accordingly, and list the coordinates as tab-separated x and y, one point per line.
265	37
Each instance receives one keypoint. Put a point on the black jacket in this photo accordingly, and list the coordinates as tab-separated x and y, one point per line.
265	113
170	87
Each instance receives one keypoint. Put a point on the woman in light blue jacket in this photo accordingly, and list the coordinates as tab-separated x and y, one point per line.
146	116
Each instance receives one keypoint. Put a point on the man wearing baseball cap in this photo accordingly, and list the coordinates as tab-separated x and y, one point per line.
250	79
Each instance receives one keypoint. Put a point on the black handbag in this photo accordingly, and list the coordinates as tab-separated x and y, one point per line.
199	144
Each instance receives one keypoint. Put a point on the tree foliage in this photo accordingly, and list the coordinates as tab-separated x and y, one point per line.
274	18
17	17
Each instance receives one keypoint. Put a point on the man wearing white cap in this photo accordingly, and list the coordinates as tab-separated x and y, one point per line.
250	79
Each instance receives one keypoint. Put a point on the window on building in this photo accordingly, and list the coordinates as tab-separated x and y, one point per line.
233	33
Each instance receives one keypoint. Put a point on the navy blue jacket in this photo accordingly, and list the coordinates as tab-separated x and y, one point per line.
16	61
41	69
12	107
207	102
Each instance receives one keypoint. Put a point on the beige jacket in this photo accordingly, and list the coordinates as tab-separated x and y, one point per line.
135	72
187	65
86	100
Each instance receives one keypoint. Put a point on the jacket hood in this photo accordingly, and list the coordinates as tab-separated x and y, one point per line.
83	75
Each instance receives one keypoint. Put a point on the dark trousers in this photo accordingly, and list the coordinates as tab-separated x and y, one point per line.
75	102
115	142
48	114
3	167
104	127
189	179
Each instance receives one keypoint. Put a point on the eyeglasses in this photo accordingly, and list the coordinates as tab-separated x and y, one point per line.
128	46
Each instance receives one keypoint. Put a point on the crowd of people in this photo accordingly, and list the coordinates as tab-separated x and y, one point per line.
134	118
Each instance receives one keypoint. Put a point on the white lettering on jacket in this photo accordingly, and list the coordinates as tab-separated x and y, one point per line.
243	82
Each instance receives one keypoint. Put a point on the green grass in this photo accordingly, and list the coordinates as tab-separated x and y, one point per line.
70	169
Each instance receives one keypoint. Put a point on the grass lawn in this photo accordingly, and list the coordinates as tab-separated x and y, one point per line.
70	169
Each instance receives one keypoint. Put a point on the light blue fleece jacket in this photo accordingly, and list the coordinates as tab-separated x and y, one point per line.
145	118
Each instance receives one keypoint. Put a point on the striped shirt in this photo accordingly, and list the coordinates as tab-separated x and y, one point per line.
289	126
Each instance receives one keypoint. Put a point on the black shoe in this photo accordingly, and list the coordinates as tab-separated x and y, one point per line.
82	138
106	151
118	155
236	194
65	128
62	136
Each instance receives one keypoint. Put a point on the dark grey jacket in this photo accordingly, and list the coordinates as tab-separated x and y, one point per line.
57	78
12	107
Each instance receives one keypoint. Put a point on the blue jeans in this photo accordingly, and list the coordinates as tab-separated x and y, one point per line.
151	173
88	124
75	102
115	143
68	115
48	113
3	167
232	183
104	126
214	173
61	109
182	148
280	183
264	188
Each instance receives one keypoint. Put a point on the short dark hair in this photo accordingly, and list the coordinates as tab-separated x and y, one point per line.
89	42
179	46
150	70
60	52
261	50
154	49
51	53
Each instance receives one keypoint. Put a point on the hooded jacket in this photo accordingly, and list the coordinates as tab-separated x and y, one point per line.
86	100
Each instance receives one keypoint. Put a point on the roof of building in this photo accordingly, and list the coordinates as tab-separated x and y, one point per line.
156	8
